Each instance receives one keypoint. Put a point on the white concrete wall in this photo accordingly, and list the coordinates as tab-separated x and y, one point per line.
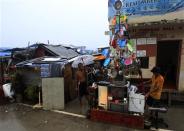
146	73
53	93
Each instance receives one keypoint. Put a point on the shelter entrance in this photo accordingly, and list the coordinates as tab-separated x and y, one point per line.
168	59
71	95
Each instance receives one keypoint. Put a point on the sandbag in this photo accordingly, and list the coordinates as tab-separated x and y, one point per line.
7	90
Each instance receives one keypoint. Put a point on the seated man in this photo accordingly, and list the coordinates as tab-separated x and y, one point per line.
154	94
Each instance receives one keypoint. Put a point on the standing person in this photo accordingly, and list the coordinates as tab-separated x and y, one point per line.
98	72
154	94
81	82
67	82
105	75
90	76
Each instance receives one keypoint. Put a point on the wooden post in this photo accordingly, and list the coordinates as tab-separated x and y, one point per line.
169	97
2	71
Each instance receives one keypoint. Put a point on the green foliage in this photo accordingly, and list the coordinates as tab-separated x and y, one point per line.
31	93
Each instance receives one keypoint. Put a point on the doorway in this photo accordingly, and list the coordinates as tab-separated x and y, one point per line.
168	59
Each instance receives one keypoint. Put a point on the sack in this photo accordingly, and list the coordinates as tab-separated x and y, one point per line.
7	90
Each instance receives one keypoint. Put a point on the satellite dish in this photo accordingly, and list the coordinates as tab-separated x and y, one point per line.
118	4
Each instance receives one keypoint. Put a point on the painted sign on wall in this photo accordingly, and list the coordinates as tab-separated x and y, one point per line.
146	7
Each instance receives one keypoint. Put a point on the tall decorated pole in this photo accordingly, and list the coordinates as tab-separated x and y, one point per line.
122	56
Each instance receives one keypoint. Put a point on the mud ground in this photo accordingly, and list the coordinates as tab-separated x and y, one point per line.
15	117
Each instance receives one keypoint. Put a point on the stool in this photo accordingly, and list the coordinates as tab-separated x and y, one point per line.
158	120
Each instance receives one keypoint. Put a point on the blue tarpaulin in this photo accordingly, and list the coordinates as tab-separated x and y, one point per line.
105	52
5	54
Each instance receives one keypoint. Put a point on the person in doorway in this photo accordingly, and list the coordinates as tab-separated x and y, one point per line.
67	82
154	94
81	82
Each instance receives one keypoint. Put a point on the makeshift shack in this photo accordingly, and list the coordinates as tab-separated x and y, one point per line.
33	71
5	58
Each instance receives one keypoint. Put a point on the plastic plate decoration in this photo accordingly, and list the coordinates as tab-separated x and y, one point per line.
128	61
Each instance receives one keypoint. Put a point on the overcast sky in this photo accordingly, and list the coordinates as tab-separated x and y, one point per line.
77	22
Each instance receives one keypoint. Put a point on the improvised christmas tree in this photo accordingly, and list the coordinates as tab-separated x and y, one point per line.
122	56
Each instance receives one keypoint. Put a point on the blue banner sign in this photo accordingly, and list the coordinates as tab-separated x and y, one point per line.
145	7
45	70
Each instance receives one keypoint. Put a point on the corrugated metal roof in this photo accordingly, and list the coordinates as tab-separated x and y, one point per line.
61	51
41	60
